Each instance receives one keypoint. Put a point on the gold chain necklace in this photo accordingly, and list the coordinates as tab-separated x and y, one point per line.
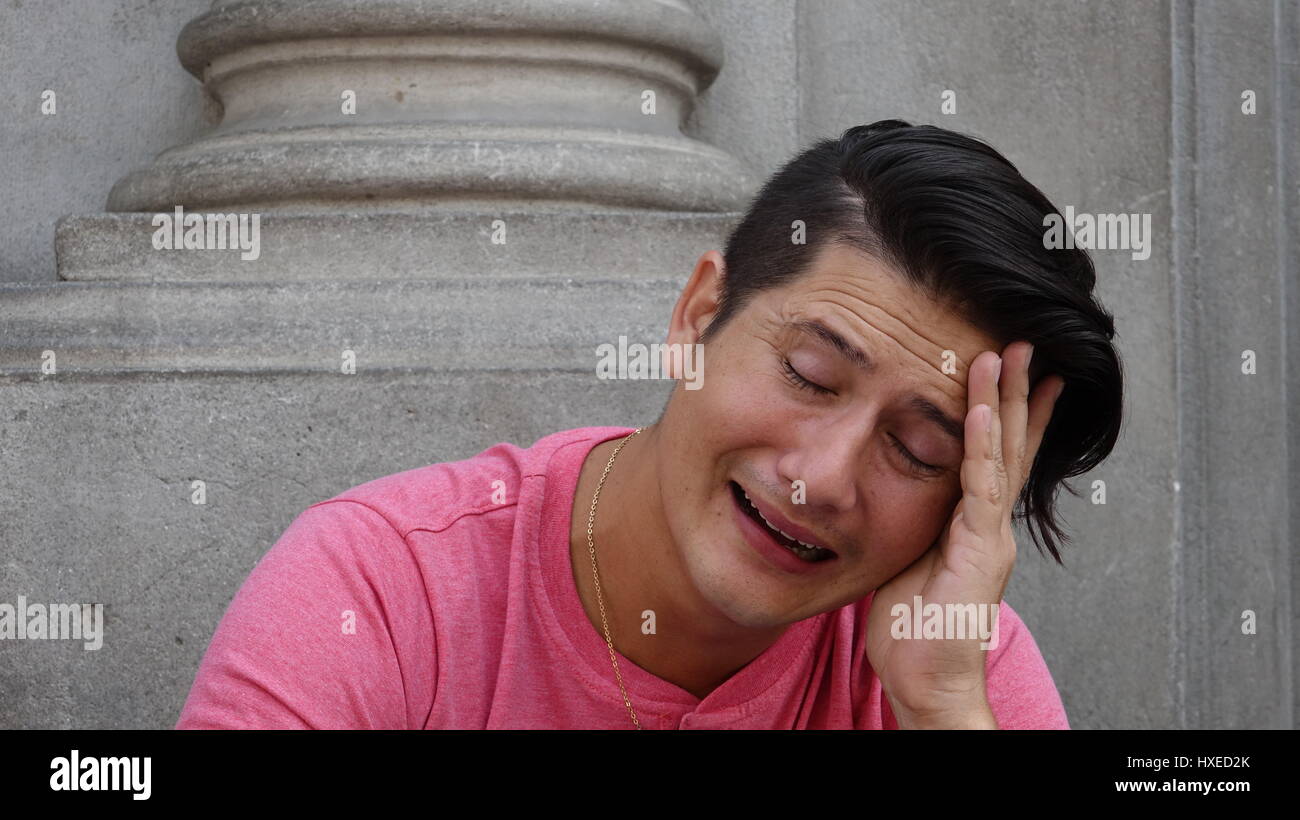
591	548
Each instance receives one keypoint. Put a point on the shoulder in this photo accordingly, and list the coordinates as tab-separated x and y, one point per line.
436	496
1021	690
1013	642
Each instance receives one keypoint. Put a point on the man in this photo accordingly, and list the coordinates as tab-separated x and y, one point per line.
886	339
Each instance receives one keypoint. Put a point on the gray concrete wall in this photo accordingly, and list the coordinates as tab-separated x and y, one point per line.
1234	188
121	99
1107	106
1287	39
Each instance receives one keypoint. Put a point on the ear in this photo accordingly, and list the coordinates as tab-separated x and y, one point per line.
698	301
696	306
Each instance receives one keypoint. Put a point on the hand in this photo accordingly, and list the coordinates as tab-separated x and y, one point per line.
940	683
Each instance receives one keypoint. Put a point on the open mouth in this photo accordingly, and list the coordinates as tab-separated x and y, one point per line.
805	552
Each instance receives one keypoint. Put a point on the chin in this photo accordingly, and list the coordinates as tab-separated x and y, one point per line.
739	593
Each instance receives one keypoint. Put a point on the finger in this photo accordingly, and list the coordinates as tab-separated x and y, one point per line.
1014	411
982	381
981	501
982	388
1041	406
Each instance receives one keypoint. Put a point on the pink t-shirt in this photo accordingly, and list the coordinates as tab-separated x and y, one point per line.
425	600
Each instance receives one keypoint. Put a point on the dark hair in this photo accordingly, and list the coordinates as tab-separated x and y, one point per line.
958	220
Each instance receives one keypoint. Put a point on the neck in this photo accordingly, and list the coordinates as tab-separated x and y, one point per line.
694	645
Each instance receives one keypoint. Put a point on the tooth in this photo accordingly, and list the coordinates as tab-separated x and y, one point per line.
783	532
773	526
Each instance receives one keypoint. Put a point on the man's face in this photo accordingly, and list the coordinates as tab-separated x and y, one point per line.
753	429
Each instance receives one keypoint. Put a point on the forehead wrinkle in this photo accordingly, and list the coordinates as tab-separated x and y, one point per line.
885	317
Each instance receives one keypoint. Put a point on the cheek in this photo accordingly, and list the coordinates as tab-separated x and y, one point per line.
739	401
906	518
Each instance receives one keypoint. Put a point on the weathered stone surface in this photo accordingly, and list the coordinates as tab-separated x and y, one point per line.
509	100
418	245
457	324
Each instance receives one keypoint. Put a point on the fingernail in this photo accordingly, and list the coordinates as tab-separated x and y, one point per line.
988	419
997	372
1029	357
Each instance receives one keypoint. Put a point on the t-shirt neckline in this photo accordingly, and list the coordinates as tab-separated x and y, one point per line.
758	677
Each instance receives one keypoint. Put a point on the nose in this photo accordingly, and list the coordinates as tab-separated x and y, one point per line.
828	460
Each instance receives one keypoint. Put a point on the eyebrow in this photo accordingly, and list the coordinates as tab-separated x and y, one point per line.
928	409
846	348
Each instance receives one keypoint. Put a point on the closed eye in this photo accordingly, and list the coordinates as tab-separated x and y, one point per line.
799	381
913	460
